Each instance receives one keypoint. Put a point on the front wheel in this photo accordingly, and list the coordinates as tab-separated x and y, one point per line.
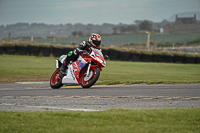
56	80
88	81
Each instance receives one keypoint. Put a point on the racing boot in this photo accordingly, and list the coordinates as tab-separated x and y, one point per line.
70	57
63	68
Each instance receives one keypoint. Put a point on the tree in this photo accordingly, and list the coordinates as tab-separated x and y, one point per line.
114	30
122	29
145	25
131	28
74	33
77	33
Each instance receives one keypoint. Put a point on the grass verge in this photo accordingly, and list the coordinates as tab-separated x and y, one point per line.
30	68
112	121
149	73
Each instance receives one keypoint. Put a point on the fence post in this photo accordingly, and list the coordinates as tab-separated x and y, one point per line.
54	39
9	37
31	38
148	39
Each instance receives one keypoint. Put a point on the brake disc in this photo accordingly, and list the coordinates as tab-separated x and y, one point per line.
86	78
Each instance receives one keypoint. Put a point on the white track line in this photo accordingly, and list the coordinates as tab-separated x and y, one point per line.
49	107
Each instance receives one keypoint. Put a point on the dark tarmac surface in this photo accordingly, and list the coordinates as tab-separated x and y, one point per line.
37	97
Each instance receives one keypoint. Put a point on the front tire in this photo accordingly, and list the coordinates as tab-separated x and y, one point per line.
56	81
95	75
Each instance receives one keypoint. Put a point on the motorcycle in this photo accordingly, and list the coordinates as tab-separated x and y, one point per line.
84	71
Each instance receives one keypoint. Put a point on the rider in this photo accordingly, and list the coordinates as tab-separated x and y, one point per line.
84	46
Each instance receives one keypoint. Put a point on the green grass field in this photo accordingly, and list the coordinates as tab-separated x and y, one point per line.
110	121
32	68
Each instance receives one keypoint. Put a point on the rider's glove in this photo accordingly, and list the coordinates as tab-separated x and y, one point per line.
106	57
83	52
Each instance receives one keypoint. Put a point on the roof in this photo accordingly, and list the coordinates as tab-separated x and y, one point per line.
186	20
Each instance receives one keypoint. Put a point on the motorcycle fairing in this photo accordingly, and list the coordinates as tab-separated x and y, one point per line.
69	78
73	74
77	66
97	55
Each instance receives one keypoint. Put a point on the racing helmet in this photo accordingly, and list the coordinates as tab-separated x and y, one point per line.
95	40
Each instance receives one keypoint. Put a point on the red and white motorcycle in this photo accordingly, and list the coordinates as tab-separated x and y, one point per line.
85	71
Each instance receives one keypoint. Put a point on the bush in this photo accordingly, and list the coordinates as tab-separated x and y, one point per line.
157	56
57	52
124	56
113	54
10	49
34	50
136	55
190	59
146	56
22	50
1	49
179	58
46	51
194	42
118	53
168	57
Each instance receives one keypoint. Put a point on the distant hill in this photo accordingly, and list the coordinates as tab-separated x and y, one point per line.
44	30
184	14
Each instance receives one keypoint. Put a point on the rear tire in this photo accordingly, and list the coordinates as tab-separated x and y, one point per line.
92	80
56	81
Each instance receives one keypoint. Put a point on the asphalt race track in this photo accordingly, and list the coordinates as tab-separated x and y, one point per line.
38	97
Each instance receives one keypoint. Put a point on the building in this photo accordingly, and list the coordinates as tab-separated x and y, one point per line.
181	25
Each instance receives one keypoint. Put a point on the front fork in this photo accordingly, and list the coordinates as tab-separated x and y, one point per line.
88	74
58	64
88	70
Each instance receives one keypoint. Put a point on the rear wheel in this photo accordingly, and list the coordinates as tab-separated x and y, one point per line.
56	81
88	81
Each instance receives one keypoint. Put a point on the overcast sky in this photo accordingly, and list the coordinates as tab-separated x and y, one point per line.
92	11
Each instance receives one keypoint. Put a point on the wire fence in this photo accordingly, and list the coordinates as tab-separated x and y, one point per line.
167	42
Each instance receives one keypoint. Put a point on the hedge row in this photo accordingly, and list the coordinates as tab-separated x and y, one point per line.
113	54
151	57
34	50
